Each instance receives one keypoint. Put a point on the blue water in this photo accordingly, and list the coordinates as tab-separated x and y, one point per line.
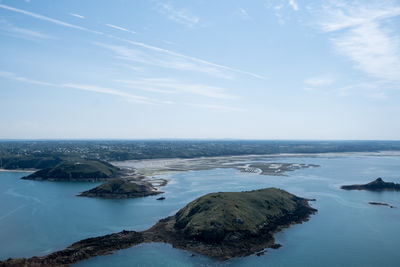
37	218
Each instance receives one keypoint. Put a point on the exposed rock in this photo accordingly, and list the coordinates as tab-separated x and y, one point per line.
381	204
377	185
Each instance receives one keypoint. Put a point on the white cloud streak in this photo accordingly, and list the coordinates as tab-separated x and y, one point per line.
177	62
120	28
207	91
364	33
85	87
44	18
293	5
162	60
319	81
25	33
181	16
77	15
13	76
170	86
142	45
244	14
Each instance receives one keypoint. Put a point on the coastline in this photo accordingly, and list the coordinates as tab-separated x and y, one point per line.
18	170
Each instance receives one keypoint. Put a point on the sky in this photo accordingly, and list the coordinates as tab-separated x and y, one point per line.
148	69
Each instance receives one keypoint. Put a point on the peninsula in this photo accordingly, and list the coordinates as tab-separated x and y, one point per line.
220	225
82	170
377	185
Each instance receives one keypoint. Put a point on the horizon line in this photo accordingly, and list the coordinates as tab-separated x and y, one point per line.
194	139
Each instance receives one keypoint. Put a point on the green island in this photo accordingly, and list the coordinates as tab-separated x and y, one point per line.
376	185
81	170
220	225
122	188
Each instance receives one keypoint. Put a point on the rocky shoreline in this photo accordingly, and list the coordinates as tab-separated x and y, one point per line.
122	188
236	242
381	204
376	185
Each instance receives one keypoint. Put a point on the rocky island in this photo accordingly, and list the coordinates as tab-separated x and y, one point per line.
83	170
377	185
220	225
381	204
122	188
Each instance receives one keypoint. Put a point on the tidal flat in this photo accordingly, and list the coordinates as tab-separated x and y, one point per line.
251	164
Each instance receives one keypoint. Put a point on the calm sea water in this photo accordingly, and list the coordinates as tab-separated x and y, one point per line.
37	218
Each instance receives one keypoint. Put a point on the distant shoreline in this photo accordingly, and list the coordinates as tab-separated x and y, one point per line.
18	170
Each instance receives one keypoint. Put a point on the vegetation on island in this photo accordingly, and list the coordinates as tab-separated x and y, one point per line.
220	225
82	170
122	188
377	185
232	215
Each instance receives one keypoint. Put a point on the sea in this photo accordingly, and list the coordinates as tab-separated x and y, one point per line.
39	217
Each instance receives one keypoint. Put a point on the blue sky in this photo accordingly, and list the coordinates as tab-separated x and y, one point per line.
200	69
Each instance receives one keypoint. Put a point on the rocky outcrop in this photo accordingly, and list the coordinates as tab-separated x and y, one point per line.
377	185
81	250
381	204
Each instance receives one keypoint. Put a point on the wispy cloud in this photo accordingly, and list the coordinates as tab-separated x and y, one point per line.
130	67
119	28
48	19
208	91
178	56
110	91
216	107
175	61
181	16
23	32
339	15
376	90
294	5
163	60
15	77
282	9
244	14
319	81
85	87
364	33
77	15
377	96
168	85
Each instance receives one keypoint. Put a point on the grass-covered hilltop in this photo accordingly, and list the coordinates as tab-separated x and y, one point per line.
220	225
376	185
80	170
232	216
122	188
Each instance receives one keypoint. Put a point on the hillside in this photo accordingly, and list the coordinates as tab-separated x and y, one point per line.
84	170
121	188
231	215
